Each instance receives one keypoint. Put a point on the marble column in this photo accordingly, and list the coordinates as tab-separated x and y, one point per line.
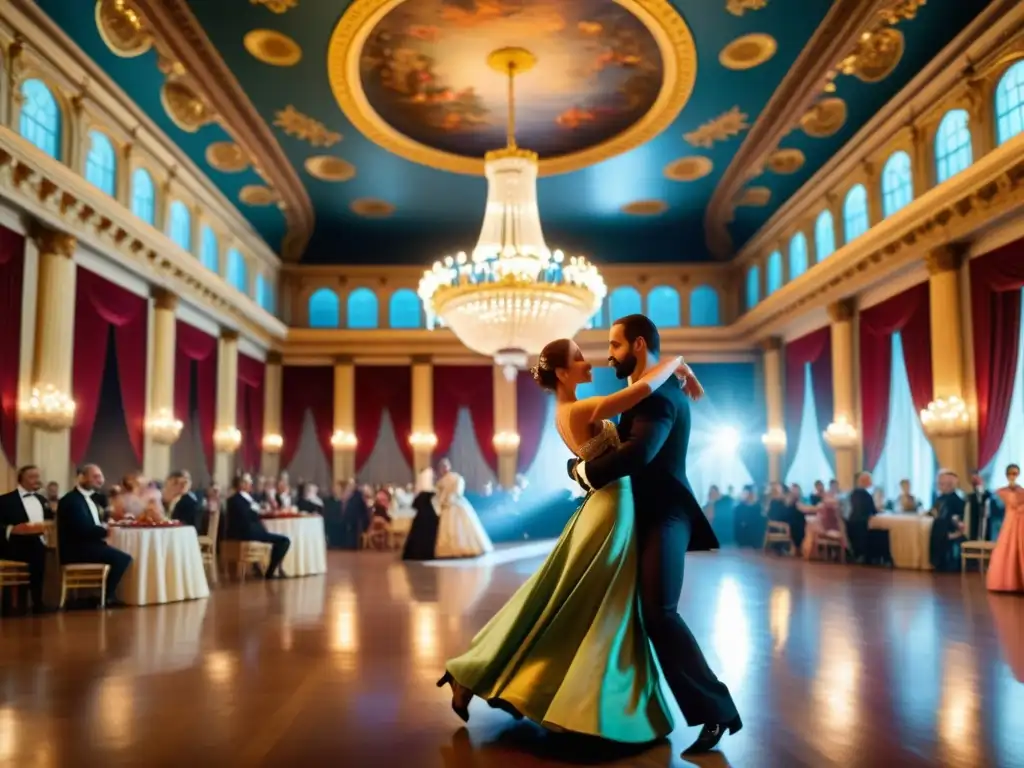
422	412
343	466
775	438
947	342
227	407
506	429
54	345
270	460
844	403
163	330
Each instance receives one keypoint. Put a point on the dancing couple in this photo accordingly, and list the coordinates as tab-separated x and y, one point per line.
571	650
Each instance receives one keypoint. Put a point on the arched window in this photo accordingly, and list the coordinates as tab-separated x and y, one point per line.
797	255
663	306
953	145
753	286
855	213
404	309
237	270
101	163
324	309
209	254
143	196
774	273
362	309
264	295
179	225
703	306
40	117
624	300
1010	103
897	183
824	235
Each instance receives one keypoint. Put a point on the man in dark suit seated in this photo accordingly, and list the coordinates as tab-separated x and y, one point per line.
183	505
862	509
80	534
948	527
22	512
244	524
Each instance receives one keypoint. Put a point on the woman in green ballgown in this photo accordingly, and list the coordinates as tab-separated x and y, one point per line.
568	650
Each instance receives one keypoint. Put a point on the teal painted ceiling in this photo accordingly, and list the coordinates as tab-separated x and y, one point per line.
436	212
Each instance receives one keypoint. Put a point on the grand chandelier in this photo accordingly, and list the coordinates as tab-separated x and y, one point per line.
513	294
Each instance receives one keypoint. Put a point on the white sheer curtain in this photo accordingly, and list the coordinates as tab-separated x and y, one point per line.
548	473
1011	451
907	453
465	455
386	464
309	463
810	463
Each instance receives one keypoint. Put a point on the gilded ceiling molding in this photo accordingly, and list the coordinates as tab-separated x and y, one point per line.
688	168
739	7
748	51
645	208
305	128
843	25
226	157
329	168
272	47
725	126
372	208
176	30
276	6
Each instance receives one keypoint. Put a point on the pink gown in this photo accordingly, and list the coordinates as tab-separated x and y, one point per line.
1006	568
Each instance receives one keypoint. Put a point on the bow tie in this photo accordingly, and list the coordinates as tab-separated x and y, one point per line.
32	496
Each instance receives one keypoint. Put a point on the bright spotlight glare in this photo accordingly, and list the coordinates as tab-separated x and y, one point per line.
726	441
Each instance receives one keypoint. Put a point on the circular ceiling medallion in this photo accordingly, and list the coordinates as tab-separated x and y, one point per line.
748	51
412	76
227	157
372	208
824	118
120	26
327	168
878	55
785	161
272	47
754	197
688	168
645	208
258	196
184	107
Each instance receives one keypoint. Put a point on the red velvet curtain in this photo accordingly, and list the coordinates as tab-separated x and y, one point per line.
12	275
306	389
809	349
909	315
100	304
821	386
996	282
195	346
380	388
531	418
465	386
250	409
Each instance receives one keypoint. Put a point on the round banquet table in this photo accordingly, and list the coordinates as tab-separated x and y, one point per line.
308	553
909	539
167	564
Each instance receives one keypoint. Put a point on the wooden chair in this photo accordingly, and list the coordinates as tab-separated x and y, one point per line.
208	545
378	535
13	574
980	549
829	541
778	533
243	554
81	576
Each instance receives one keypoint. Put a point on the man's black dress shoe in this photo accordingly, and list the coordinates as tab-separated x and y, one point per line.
711	734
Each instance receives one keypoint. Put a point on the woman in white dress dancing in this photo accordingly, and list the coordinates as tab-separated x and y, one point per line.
459	532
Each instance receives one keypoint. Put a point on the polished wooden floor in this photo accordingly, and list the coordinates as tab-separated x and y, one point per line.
830	665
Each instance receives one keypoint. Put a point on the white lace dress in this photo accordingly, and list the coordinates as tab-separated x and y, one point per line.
459	531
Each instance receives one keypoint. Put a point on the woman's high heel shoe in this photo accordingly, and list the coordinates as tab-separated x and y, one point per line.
460	701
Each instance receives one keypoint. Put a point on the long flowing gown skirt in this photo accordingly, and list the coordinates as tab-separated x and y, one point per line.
1006	567
460	532
569	650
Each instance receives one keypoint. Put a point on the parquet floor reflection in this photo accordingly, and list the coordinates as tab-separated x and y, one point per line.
830	665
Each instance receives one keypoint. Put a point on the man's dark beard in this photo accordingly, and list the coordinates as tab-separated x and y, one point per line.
624	368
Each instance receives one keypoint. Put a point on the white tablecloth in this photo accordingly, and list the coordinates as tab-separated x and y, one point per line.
909	539
167	565
308	553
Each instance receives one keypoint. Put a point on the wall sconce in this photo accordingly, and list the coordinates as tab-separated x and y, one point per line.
427	440
163	427
774	440
343	441
840	434
506	441
946	417
48	408
227	439
272	443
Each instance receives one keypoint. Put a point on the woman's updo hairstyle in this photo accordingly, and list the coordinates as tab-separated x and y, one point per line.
554	356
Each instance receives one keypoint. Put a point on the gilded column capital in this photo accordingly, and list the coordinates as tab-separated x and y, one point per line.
344	360
53	241
841	311
229	334
274	358
422	360
165	299
945	258
771	344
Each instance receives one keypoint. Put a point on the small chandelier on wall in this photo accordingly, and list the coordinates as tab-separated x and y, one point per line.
227	439
163	427
48	408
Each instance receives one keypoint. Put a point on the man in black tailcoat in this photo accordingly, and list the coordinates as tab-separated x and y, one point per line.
22	515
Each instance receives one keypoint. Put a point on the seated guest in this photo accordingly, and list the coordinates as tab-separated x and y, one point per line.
22	512
244	524
183	504
137	499
81	537
819	493
879	498
382	505
906	501
948	528
976	501
52	496
264	493
309	499
283	493
862	509
748	520
825	524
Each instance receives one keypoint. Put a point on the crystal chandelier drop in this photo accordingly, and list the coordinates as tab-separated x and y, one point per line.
512	294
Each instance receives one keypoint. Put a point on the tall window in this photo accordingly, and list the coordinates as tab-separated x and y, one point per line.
623	301
953	145
362	309
855	213
324	309
264	294
179	225
208	250
237	270
797	255
40	117
753	286
774	272
663	306
810	463
824	235
404	309
897	183
703	306
1010	103
143	196
101	163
